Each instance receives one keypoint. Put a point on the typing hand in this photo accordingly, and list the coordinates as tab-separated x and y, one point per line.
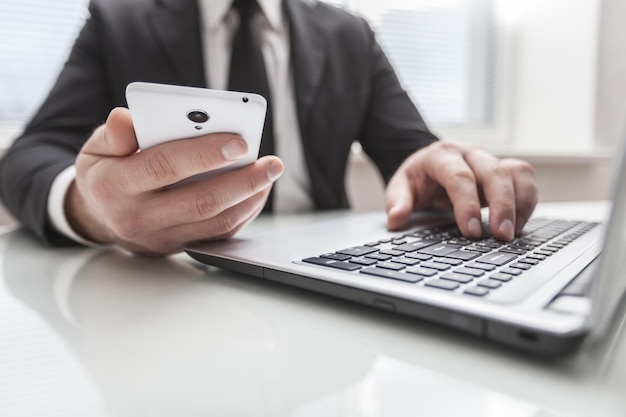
120	195
461	177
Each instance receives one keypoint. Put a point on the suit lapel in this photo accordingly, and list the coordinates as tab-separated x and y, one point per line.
308	55
176	26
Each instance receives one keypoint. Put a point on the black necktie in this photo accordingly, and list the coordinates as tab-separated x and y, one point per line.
247	70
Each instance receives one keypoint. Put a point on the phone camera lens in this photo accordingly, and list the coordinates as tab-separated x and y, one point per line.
245	99
198	116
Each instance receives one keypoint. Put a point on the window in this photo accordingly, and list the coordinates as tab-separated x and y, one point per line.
444	53
487	71
35	39
496	72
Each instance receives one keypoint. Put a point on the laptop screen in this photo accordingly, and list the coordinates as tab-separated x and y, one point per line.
610	283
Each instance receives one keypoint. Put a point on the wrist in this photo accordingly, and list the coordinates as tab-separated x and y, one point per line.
82	220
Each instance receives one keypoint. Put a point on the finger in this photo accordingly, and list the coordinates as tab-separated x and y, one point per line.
447	167
115	138
223	226
399	200
498	189
202	200
174	161
227	223
526	192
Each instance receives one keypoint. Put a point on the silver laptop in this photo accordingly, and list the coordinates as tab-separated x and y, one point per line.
545	292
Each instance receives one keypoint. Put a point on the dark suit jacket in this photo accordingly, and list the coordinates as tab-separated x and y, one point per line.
345	88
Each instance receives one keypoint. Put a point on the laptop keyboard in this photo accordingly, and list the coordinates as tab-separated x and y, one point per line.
442	258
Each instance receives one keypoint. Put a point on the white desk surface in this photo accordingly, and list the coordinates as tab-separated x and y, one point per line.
99	333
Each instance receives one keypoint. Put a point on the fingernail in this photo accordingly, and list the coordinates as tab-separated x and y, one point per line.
506	228
474	227
274	171
234	149
520	222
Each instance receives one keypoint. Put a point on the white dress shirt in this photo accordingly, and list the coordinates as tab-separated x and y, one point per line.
219	23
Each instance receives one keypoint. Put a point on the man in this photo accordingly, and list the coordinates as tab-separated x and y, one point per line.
329	84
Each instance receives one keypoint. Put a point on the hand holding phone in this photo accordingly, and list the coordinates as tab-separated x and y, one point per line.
162	113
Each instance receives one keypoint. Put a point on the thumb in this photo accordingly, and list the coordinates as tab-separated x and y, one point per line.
115	138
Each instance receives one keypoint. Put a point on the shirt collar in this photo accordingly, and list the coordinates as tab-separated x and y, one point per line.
214	12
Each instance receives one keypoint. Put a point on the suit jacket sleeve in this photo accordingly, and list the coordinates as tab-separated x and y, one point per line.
392	127
119	43
75	106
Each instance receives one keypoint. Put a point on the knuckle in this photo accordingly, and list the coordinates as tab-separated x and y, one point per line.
226	225
499	171
204	161
208	203
159	167
103	191
128	227
254	185
446	146
462	176
519	166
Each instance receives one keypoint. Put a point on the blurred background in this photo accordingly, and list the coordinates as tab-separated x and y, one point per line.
542	80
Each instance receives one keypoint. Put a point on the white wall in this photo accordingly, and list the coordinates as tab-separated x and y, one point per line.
554	75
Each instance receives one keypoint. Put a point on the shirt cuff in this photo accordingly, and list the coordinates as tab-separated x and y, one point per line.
56	207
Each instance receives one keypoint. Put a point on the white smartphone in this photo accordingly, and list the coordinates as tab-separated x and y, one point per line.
163	113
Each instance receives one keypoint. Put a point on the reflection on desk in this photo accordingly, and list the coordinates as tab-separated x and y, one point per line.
102	333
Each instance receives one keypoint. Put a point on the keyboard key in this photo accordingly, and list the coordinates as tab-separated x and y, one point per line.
548	249
520	265
378	256
451	276
555	246
497	258
490	283
406	261
335	256
391	252
436	265
463	255
387	273
441	249
442	284
511	271
484	267
363	261
453	262
501	277
426	272
419	256
535	256
391	265
542	252
478	249
357	251
332	263
529	261
414	246
470	271
514	250
478	291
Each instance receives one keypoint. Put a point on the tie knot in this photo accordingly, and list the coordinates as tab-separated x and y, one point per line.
246	8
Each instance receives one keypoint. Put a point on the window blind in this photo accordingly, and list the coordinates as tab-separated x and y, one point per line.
443	52
35	39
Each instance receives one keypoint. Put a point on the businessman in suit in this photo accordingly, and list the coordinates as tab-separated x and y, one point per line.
75	173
